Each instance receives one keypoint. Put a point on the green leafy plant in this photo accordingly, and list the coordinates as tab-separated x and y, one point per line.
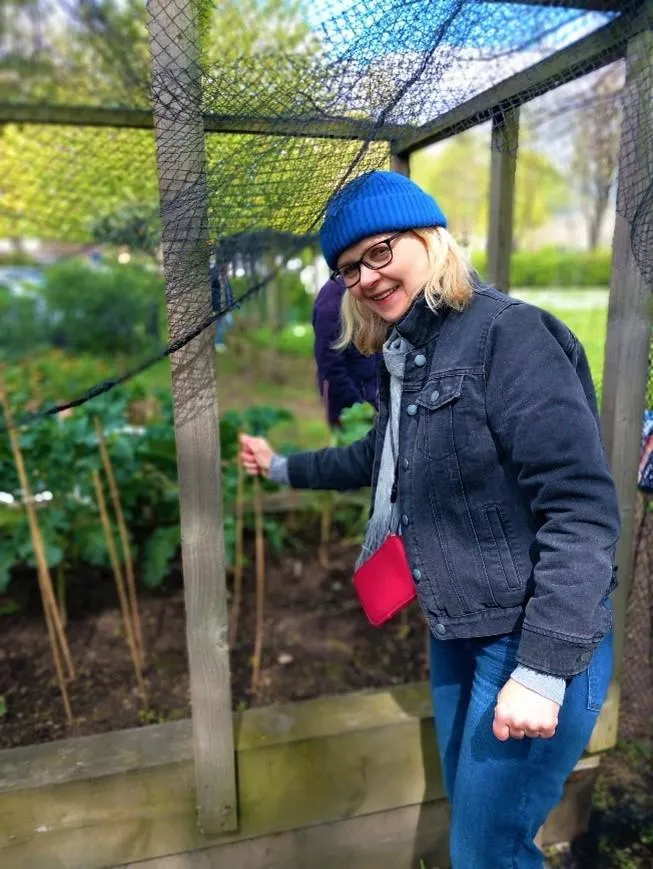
60	455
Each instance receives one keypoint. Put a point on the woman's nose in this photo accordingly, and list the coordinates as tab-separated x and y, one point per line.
369	276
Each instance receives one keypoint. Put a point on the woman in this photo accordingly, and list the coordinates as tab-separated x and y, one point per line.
486	456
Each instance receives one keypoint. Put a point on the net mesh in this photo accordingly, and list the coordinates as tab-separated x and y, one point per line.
266	107
262	110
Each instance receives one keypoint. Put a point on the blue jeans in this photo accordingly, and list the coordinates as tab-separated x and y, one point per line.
502	792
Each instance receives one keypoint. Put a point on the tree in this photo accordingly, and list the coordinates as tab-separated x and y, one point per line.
457	173
540	191
596	142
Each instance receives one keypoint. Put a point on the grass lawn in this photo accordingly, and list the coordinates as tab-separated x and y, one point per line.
586	314
254	374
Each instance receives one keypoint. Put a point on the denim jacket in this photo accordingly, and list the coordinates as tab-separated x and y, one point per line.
509	514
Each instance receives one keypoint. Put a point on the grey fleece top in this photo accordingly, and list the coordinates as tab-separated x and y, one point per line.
381	521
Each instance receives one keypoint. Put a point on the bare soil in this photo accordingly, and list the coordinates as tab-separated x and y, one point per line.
316	641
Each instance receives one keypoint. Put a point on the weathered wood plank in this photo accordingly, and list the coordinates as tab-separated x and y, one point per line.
592	52
505	142
115	753
298	765
184	201
141	119
396	839
628	340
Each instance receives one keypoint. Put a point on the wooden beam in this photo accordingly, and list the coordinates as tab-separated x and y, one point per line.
581	5
140	119
505	141
628	340
599	48
184	202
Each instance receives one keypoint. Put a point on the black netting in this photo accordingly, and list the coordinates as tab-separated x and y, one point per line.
295	98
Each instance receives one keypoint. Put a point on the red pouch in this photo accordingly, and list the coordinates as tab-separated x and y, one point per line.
384	584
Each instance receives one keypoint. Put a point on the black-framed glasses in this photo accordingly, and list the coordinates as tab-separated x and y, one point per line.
376	256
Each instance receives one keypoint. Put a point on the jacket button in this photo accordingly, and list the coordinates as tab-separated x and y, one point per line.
435	395
405	464
404	520
417	574
411	410
420	360
440	628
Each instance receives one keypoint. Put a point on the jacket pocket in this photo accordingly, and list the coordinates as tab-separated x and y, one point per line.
441	432
502	545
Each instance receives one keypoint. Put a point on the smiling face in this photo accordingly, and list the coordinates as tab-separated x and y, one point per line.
388	291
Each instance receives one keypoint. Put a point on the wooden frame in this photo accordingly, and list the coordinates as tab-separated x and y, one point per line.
504	145
184	207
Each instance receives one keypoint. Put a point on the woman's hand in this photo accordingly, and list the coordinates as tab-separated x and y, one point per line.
521	712
256	455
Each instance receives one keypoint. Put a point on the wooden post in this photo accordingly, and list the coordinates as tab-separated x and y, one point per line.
627	346
505	141
400	163
176	93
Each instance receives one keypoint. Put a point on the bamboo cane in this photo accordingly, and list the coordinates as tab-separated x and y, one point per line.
35	531
238	555
56	634
124	541
120	584
260	584
56	657
326	519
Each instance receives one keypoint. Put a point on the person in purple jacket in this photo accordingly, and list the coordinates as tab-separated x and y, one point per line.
344	377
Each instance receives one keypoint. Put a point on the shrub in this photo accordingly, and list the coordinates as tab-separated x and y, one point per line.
107	310
22	321
554	267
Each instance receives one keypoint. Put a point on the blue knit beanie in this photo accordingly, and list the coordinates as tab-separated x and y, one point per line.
375	202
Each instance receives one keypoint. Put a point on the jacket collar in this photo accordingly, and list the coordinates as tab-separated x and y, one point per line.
420	325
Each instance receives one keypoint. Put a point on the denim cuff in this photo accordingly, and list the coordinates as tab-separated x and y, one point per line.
551	687
279	470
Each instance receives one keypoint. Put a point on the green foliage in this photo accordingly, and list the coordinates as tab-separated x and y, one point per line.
555	267
457	173
17	258
22	323
51	376
136	225
295	340
60	455
356	421
159	550
106	310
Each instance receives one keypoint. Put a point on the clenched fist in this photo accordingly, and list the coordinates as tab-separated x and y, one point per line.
521	712
256	455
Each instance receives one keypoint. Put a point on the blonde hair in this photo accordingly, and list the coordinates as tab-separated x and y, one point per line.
449	283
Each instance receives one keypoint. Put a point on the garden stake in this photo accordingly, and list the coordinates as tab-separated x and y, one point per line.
45	580
238	556
124	540
56	634
325	528
56	656
120	584
61	593
260	583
